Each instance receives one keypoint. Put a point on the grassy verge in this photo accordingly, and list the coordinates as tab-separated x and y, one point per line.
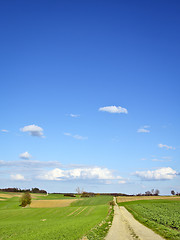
100	231
162	216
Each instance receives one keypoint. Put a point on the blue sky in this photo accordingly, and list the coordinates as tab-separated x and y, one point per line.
90	95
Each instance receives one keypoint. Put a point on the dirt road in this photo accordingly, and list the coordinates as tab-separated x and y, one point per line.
125	227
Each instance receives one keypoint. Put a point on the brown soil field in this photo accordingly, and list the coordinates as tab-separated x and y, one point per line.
135	198
8	195
51	203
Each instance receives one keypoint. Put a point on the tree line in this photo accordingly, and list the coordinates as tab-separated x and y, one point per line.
33	190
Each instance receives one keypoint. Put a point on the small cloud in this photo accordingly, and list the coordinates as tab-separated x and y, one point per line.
162	159
144	129
76	136
157	160
33	130
143	159
80	137
165	173
67	134
166	146
113	109
17	177
74	115
25	156
4	130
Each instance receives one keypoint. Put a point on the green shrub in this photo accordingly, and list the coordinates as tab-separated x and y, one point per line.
112	203
25	199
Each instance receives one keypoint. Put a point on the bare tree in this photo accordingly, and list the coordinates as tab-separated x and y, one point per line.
152	190
79	191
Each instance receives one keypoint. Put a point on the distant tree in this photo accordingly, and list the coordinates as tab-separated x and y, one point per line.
69	195
173	192
156	193
35	190
25	199
87	194
148	193
152	191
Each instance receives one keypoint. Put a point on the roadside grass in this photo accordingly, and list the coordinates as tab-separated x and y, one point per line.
100	231
162	216
65	223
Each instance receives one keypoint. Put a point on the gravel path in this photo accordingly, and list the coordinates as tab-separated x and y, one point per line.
125	227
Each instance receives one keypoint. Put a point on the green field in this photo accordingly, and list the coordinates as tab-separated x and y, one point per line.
54	196
163	216
68	223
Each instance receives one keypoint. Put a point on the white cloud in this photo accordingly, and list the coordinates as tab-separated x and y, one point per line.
55	174
165	146
157	160
74	115
79	137
162	159
67	134
17	177
79	173
165	173
113	109
4	130
76	136
144	129
25	155
33	130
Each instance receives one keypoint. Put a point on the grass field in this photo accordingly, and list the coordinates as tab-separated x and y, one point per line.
161	215
68	223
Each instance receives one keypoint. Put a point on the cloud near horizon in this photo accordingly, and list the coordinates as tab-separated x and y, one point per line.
17	177
54	170
33	130
113	109
165	173
97	173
